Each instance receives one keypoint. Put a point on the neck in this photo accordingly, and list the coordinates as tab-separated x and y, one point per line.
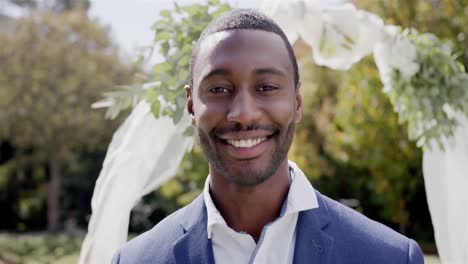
249	208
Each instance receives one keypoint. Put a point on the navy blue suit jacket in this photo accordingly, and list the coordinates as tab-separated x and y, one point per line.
332	233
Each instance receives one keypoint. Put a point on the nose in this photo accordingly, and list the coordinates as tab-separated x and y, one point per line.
244	109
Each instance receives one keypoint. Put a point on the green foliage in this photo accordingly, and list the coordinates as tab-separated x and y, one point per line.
368	132
175	34
38	249
445	19
54	66
428	100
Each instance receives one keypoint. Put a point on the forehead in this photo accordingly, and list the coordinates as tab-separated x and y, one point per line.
244	49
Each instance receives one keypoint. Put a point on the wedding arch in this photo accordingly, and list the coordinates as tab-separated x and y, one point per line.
422	79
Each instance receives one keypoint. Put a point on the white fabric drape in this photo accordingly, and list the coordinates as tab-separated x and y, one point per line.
446	181
143	154
339	34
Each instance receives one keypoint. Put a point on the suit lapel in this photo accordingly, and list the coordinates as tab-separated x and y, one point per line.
313	244
194	246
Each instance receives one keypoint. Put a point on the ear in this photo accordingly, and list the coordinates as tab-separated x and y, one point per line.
189	99
298	103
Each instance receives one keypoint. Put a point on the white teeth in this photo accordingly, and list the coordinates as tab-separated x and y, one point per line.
246	143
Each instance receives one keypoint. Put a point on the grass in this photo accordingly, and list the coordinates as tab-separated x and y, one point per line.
38	248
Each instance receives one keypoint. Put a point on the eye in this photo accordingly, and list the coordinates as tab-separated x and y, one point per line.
218	89
266	88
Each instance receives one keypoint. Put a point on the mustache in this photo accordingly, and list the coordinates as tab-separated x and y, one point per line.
238	127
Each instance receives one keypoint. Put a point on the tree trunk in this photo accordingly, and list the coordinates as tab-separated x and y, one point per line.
53	196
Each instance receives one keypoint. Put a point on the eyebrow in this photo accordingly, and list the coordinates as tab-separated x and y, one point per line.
260	71
219	71
273	71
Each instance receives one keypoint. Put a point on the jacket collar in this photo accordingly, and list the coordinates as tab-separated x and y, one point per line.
313	244
194	246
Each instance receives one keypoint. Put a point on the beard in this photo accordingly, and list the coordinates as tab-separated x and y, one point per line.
247	175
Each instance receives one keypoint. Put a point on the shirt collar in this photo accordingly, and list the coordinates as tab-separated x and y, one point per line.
301	197
213	215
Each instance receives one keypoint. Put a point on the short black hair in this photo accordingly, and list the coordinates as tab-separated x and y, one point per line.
243	19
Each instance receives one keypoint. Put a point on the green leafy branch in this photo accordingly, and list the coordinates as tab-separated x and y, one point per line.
428	100
176	32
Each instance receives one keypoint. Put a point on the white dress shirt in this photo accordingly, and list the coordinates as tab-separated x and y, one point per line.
277	240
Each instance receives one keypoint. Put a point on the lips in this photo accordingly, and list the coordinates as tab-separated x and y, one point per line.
246	143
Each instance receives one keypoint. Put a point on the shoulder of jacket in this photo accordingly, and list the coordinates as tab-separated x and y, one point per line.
356	232
156	245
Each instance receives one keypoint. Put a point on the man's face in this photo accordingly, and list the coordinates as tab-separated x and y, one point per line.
244	104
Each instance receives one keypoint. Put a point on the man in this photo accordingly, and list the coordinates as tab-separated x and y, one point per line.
257	207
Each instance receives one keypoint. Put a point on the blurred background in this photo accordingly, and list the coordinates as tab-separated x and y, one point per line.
58	57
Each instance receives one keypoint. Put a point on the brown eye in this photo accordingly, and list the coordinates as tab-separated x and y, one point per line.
266	88
218	89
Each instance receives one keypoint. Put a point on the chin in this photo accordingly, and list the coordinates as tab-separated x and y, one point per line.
246	175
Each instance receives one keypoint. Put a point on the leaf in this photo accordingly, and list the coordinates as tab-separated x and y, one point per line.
178	115
161	35
165	14
224	8
180	102
168	112
323	37
189	131
156	108
112	112
165	48
151	96
161	68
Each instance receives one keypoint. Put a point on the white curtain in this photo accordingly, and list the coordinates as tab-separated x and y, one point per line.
446	180
143	154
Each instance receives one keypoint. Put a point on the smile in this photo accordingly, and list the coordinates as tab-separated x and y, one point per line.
246	143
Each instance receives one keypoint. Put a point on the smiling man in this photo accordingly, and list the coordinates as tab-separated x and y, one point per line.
257	207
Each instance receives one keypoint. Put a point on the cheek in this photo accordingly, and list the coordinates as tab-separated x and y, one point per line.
282	111
207	115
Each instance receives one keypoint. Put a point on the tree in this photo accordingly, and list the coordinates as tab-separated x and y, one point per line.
52	69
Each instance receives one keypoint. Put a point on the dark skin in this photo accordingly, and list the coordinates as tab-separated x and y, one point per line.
244	105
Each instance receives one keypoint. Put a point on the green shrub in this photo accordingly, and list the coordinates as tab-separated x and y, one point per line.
41	249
